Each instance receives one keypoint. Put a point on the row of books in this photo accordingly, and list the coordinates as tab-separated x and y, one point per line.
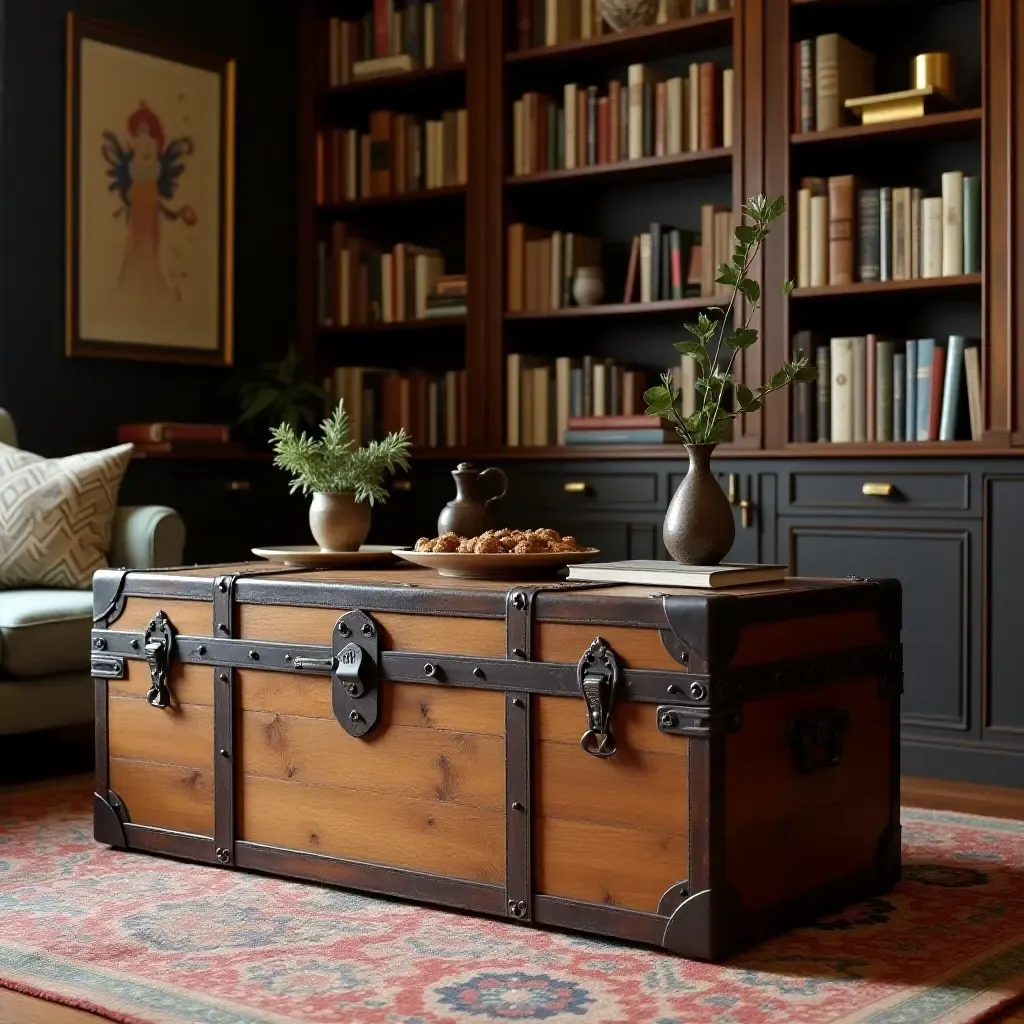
874	389
550	22
846	233
400	153
647	116
359	283
542	265
394	38
827	71
431	407
543	394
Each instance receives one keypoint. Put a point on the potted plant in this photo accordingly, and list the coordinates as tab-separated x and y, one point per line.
344	480
699	527
281	393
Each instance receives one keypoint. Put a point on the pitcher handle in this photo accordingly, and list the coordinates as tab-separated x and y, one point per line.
504	490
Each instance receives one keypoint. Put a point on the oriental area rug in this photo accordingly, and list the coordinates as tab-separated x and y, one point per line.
141	939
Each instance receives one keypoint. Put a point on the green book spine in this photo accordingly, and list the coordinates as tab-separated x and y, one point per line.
648	119
972	225
883	390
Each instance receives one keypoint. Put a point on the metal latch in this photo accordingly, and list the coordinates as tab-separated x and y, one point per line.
598	675
159	643
107	666
817	740
354	689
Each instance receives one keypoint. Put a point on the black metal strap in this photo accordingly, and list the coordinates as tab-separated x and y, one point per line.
224	725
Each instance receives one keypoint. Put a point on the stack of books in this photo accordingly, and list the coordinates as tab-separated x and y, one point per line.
846	233
448	298
360	284
542	396
400	153
648	115
550	22
430	407
171	433
635	429
828	71
672	263
541	265
394	38
873	389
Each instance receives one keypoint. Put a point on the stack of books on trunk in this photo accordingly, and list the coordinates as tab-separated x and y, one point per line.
874	389
400	154
647	116
846	233
431	407
395	37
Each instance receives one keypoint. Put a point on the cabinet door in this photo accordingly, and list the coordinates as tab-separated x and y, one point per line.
934	563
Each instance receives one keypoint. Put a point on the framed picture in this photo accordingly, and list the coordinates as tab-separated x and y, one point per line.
150	198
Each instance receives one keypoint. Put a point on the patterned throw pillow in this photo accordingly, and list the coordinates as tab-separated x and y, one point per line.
56	515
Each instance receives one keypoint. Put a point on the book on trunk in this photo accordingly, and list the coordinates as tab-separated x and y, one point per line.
842	191
869	238
649	573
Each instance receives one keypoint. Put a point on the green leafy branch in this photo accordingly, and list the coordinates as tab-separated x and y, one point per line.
707	425
333	463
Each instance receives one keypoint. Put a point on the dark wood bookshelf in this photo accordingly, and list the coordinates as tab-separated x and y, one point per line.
617	309
947	126
395	327
702	161
381	87
403	199
613	48
916	284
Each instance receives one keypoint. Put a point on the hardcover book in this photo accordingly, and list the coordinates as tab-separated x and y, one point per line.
650	573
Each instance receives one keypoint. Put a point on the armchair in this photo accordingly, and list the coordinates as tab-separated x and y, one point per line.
44	634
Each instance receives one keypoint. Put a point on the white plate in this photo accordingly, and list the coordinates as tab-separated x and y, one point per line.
315	557
469	566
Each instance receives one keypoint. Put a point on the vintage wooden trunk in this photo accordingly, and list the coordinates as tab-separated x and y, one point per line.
398	732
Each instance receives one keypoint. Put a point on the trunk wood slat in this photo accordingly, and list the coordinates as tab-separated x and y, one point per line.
750	782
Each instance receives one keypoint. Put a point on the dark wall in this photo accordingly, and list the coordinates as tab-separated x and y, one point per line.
63	405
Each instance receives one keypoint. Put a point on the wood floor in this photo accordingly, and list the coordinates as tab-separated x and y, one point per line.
16	1008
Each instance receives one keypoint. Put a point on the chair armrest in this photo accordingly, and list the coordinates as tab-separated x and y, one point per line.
147	537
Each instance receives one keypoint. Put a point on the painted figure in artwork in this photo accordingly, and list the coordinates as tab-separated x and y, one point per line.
145	174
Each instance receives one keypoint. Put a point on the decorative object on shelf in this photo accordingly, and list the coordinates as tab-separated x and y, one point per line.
316	557
468	514
282	394
344	480
699	527
588	286
150	181
933	89
623	15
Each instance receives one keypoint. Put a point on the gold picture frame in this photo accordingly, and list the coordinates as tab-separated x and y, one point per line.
150	204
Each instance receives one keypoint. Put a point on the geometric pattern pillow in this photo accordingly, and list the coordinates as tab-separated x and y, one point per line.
57	515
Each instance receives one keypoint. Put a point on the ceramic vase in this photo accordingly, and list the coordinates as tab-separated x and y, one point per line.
588	286
699	528
627	14
338	522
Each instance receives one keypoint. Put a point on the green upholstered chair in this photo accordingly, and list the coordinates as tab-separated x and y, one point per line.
44	634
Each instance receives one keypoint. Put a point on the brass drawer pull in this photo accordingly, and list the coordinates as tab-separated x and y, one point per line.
576	487
745	507
877	490
238	485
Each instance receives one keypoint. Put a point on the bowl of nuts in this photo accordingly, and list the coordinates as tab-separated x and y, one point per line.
498	553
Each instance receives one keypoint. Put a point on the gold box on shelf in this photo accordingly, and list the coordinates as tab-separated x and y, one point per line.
933	89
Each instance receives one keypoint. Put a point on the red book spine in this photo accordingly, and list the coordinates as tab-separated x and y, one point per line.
581	128
320	184
603	131
381	27
634	422
660	119
710	78
871	386
935	396
676	270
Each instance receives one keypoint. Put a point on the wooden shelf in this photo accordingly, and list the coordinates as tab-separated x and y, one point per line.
917	284
398	199
704	161
430	324
395	84
951	124
891	449
642	44
617	309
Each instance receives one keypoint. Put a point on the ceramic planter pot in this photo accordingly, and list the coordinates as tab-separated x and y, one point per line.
338	522
588	286
699	528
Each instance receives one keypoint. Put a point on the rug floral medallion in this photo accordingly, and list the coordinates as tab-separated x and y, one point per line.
144	939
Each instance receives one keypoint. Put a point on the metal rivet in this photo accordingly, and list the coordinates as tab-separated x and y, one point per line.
135	645
479	673
672	688
343	629
287	657
697	691
668	720
222	627
518	652
254	655
430	669
224	678
100	644
223	855
224	753
517	806
201	650
352	689
354	716
222	586
519	601
517	703
367	629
